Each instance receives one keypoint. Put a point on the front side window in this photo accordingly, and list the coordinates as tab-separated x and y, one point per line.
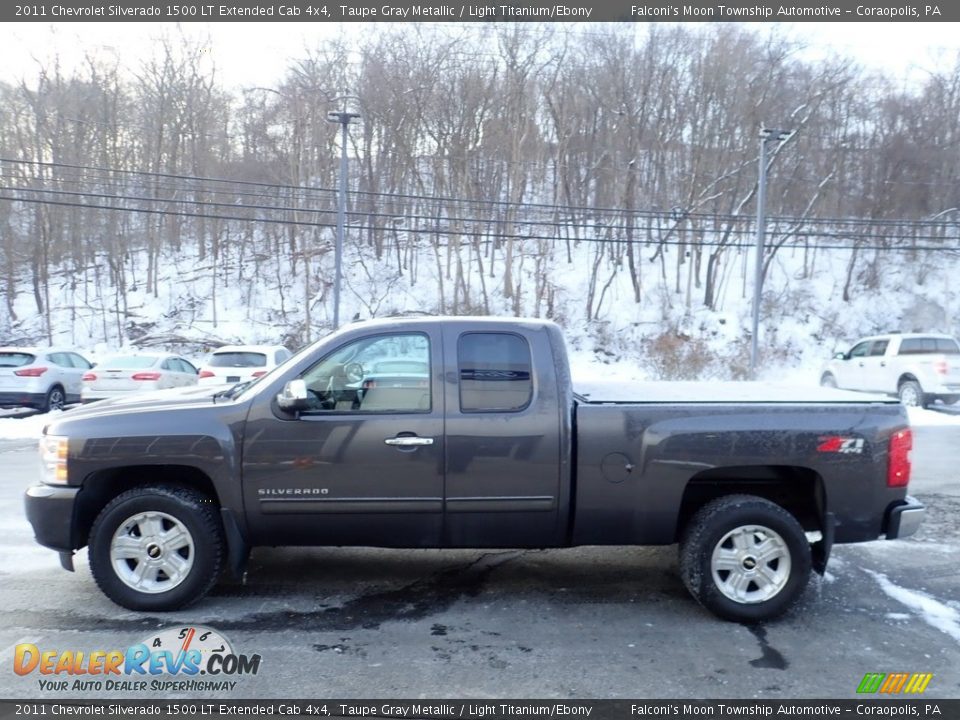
385	373
495	372
860	349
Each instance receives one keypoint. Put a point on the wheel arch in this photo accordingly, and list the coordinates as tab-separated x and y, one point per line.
100	487
798	490
907	377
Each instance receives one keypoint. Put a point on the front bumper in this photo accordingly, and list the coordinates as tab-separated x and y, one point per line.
904	520
50	512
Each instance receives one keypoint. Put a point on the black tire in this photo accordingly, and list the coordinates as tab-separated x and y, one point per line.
828	380
194	511
911	394
55	399
720	519
950	399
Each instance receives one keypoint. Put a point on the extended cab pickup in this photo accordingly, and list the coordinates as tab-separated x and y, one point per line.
467	433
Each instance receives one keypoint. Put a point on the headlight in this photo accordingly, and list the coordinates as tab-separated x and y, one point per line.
53	458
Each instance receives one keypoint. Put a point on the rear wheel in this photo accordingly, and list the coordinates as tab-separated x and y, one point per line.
55	399
157	548
911	394
745	558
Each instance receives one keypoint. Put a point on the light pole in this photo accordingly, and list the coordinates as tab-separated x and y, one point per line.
766	135
344	118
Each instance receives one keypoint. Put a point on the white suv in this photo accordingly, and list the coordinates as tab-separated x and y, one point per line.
919	368
240	363
41	378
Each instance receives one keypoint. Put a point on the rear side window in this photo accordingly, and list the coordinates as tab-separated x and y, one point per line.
879	347
925	346
238	359
15	359
79	361
495	372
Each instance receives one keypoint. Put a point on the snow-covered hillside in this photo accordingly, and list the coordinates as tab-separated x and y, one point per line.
248	296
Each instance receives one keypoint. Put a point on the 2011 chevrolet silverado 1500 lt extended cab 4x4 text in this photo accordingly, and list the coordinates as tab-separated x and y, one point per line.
467	433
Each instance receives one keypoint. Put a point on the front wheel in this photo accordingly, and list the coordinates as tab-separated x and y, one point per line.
745	558
157	548
828	381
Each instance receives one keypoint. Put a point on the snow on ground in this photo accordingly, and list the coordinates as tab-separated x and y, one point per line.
921	417
26	428
935	613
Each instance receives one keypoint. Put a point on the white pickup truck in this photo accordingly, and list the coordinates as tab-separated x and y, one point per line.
919	368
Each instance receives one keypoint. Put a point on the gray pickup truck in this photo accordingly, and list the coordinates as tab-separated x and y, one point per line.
467	433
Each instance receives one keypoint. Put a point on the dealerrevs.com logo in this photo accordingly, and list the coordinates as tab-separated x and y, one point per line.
199	658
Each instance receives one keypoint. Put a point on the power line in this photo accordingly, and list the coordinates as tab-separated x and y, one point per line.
501	203
487	237
567	225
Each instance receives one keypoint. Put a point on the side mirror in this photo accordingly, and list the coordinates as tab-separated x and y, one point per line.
294	396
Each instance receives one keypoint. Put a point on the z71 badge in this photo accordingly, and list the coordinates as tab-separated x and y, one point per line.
837	444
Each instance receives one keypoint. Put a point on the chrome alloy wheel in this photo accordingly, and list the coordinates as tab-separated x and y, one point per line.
152	552
750	564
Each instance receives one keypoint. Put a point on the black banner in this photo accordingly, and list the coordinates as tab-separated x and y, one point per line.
626	11
487	709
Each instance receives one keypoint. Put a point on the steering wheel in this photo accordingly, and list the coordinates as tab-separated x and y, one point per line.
354	372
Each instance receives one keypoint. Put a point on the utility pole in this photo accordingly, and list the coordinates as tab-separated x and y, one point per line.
766	135
344	118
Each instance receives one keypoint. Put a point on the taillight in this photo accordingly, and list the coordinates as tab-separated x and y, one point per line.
941	367
31	372
898	471
89	377
145	376
258	373
205	373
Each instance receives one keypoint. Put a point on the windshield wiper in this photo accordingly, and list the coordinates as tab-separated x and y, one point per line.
231	392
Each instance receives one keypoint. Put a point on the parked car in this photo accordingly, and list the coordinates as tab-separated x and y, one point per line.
497	450
917	367
137	372
239	363
45	379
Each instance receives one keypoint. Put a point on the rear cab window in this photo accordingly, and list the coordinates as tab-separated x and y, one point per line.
495	372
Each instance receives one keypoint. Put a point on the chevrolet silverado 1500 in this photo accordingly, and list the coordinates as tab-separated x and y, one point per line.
467	433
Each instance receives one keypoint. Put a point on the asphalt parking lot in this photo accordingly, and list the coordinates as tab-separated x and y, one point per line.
580	623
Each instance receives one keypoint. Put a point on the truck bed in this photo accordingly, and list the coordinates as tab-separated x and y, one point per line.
605	392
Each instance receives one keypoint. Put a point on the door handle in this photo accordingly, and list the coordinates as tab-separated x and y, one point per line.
883	364
408	441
